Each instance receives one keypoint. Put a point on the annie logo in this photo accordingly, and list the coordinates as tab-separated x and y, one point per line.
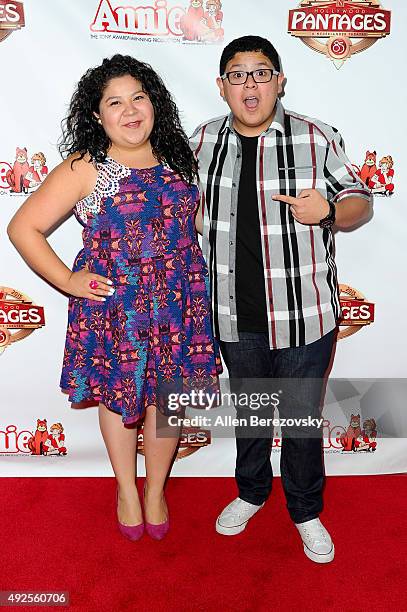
339	28
17	312
351	438
42	441
11	17
13	441
199	22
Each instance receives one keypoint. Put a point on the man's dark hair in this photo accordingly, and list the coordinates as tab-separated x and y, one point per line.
249	43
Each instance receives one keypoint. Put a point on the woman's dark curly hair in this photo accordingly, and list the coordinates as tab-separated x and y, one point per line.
81	133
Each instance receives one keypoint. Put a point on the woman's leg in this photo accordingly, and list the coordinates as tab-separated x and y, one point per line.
159	452
121	445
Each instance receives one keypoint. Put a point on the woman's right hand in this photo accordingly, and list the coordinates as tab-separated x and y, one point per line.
79	285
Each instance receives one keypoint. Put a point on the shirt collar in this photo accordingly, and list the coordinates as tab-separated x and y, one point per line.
277	123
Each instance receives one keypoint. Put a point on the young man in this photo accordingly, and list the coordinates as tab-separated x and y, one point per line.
273	183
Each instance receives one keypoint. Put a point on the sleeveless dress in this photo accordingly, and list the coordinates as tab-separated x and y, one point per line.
154	334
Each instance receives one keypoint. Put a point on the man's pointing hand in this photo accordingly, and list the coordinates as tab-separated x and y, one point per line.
309	208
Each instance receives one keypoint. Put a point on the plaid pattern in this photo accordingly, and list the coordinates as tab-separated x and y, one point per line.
294	153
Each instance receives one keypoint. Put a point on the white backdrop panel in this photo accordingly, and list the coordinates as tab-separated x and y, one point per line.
365	100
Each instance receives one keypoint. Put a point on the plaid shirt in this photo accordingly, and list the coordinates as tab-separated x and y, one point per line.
294	153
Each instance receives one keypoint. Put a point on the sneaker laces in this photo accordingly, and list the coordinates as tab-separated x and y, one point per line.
320	537
238	507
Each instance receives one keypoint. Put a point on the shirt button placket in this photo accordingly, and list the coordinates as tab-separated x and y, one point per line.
233	210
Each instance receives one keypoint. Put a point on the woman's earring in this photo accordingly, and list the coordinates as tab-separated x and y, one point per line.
99	121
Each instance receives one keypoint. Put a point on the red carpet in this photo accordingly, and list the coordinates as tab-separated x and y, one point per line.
60	534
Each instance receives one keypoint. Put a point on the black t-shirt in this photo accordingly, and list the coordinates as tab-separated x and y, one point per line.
250	288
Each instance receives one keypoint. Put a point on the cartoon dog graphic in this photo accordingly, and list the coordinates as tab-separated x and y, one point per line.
382	182
190	23
352	433
36	443
15	177
55	444
369	168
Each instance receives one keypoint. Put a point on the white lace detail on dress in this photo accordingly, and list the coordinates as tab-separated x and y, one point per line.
110	173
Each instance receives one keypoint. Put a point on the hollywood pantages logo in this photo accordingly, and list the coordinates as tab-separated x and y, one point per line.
339	28
11	17
19	316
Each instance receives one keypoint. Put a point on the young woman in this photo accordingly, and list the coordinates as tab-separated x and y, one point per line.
139	312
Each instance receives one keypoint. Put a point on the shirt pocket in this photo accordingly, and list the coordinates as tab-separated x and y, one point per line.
303	177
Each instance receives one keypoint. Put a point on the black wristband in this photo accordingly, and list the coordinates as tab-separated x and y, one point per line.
329	220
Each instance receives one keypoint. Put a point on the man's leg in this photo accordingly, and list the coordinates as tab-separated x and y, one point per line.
248	359
302	468
301	464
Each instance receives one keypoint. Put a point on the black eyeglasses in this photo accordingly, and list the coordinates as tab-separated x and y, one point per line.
239	77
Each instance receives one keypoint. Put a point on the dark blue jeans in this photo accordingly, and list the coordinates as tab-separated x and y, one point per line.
301	462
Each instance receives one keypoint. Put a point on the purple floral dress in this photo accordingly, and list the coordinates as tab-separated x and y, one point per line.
155	331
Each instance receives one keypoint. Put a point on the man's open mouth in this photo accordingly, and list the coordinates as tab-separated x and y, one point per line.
251	102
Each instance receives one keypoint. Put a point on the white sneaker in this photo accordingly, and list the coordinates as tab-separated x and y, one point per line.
318	545
234	518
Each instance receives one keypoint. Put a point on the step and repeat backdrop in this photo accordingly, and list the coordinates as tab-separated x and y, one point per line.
344	64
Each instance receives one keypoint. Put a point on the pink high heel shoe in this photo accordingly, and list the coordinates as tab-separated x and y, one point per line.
157	532
131	532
